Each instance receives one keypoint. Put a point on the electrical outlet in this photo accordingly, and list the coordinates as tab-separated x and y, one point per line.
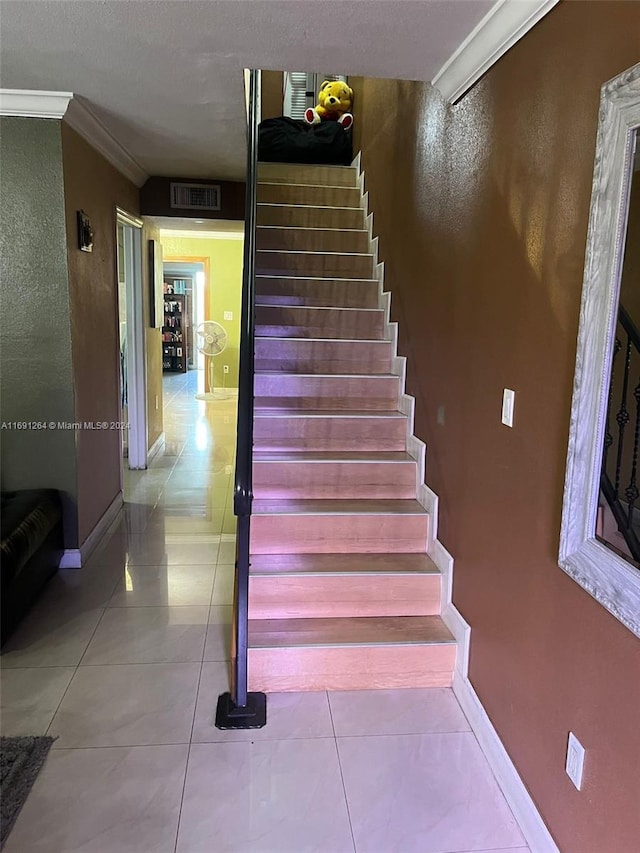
575	760
508	403
228	315
226	368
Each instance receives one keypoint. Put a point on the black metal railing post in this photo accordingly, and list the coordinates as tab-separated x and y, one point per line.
239	709
624	479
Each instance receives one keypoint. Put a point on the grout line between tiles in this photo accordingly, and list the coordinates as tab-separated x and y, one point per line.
77	667
344	787
186	767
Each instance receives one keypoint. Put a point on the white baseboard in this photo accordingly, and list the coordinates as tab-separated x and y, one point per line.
533	827
157	446
75	558
524	810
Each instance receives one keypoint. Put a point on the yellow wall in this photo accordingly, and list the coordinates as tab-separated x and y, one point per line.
224	286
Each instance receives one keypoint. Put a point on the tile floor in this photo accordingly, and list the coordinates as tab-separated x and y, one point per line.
123	661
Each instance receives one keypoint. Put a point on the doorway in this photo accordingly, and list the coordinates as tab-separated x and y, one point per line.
133	384
187	278
194	272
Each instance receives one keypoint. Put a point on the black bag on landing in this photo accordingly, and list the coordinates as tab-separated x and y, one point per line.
285	140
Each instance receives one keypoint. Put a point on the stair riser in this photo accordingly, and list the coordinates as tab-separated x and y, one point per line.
348	596
274	263
290	173
341	393
332	367
302	322
321	196
354	293
310	216
340	434
324	367
339	480
322	356
351	668
337	404
311	240
338	534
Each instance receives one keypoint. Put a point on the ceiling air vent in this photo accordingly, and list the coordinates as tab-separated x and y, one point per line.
195	196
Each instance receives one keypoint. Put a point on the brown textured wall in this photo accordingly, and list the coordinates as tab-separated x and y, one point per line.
272	94
92	184
482	214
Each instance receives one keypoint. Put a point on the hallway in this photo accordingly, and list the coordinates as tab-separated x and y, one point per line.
123	662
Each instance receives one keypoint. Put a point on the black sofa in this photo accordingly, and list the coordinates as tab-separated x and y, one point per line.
32	544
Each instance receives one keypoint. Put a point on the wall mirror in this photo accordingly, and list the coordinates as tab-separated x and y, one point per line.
600	534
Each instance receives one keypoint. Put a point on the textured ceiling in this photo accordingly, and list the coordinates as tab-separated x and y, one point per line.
165	76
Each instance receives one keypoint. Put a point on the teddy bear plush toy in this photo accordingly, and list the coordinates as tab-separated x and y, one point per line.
334	103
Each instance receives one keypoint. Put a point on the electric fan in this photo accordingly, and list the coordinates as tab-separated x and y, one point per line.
211	340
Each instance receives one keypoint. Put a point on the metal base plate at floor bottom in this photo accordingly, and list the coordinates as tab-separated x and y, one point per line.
253	715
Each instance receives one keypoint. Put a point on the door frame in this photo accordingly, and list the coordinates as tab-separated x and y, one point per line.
135	340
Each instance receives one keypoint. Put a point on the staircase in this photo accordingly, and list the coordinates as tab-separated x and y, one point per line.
342	594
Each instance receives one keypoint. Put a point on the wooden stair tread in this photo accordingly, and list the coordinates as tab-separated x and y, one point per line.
313	252
311	228
302	506
316	376
292	412
359	631
342	564
329	308
306	206
304	186
281	456
297	279
325	341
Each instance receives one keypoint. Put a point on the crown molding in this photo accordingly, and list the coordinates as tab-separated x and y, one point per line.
80	117
30	103
505	24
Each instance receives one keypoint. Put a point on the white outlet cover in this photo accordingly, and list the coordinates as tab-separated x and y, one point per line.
508	403
575	760
228	315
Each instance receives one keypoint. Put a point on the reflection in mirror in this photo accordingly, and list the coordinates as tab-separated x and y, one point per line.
618	518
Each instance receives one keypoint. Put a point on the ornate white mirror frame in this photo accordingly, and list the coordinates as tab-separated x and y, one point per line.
610	579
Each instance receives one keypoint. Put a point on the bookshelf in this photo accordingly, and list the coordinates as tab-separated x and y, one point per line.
174	354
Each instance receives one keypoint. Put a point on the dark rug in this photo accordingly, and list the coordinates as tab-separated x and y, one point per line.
20	761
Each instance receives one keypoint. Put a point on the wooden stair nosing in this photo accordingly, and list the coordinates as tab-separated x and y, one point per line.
390	457
311	229
293	412
333	506
314	252
327	632
321	565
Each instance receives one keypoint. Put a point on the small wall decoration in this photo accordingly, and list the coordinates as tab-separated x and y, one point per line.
156	285
85	232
